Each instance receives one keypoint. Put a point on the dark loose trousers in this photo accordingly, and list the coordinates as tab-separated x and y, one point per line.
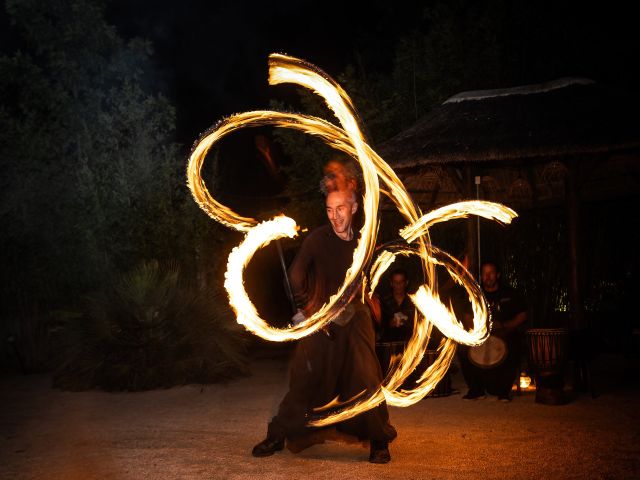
323	368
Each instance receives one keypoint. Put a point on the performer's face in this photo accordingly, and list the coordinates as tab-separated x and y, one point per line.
490	277
340	209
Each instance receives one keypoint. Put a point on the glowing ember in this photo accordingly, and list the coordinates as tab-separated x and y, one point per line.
525	381
349	139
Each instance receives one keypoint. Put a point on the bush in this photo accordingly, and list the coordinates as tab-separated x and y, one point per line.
149	330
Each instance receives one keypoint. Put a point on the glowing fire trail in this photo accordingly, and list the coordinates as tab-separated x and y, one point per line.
349	139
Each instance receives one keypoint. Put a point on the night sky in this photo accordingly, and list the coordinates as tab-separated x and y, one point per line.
211	57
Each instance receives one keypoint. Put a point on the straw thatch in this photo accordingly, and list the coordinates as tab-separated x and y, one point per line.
572	116
518	140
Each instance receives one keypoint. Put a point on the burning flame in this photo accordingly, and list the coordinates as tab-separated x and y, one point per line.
525	381
349	139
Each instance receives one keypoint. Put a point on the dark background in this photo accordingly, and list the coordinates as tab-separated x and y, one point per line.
211	56
102	100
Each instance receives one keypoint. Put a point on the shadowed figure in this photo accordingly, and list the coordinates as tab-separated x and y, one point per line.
508	313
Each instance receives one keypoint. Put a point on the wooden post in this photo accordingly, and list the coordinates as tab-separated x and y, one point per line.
472	238
464	183
574	212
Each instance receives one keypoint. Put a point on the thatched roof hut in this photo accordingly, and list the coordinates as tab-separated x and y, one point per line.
561	142
519	139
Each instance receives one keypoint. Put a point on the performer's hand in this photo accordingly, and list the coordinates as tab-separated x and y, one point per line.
298	318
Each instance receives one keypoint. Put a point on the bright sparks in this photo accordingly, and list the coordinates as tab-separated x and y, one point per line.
348	138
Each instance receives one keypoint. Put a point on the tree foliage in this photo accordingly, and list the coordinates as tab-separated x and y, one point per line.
89	173
150	329
93	184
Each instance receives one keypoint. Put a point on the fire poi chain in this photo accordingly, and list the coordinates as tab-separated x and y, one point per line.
349	139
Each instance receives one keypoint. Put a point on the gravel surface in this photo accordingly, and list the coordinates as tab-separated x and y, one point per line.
208	432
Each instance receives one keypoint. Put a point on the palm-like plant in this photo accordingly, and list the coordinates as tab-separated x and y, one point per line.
150	330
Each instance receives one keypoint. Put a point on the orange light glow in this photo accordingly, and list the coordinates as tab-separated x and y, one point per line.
525	381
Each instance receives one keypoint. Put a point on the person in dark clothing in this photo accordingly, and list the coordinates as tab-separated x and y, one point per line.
397	309
509	314
395	323
343	363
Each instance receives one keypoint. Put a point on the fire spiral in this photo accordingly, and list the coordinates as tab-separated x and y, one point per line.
348	138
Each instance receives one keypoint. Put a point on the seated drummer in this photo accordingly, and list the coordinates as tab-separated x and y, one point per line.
509	314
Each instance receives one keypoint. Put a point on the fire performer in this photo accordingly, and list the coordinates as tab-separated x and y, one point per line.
341	361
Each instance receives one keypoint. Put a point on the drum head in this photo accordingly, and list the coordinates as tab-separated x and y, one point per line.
490	354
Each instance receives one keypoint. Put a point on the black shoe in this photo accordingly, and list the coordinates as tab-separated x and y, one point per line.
473	395
379	452
268	446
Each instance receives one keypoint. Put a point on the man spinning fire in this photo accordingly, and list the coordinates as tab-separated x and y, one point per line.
341	360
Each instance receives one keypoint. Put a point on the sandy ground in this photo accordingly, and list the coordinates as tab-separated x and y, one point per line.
207	432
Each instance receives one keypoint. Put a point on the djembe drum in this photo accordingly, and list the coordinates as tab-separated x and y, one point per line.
490	354
547	357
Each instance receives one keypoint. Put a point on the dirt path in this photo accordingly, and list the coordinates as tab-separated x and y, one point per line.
193	432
